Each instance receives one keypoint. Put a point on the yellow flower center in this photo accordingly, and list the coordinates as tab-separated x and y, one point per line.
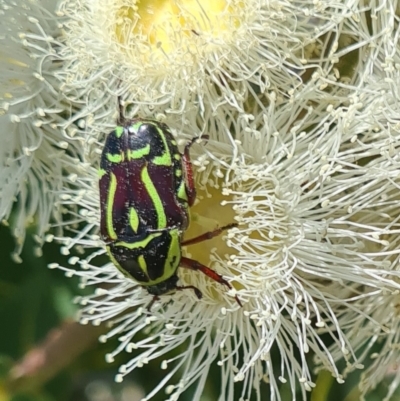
206	216
167	23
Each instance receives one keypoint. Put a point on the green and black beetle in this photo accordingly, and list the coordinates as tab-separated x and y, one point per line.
146	189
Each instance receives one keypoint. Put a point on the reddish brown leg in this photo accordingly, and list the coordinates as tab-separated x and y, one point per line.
187	165
198	293
195	265
208	235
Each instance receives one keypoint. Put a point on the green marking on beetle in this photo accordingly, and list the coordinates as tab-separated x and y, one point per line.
138	153
152	191
171	263
119	131
134	128
110	205
158	280
177	156
178	173
182	191
165	158
138	244
143	264
101	172
116	158
174	253
116	264
133	219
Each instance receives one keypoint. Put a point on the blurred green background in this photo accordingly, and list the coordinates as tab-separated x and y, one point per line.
34	300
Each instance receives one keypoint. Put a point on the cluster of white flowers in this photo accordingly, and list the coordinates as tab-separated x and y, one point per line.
36	153
301	102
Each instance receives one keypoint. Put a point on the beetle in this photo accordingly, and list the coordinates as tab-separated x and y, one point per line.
146	189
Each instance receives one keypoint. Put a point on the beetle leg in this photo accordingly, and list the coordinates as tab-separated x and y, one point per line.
195	265
198	293
155	298
208	235
187	166
150	305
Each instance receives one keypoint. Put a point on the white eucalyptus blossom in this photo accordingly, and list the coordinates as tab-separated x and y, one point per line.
32	110
377	346
297	157
382	352
375	123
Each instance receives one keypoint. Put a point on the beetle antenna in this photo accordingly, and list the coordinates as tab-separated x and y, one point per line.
121	118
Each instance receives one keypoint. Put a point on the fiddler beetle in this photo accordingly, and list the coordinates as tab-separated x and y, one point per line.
146	188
